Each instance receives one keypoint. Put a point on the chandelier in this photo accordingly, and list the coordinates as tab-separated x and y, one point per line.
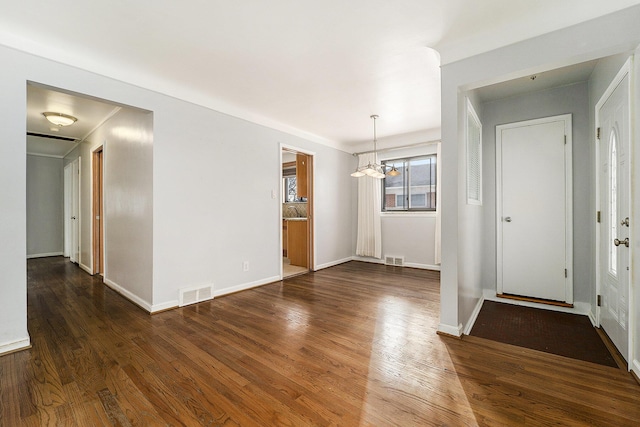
375	170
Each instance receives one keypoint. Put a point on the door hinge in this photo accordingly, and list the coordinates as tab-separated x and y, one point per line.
566	273
598	133
565	140
599	300
598	216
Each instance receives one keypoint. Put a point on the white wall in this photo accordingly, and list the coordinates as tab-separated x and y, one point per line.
13	211
580	43
572	100
45	210
209	214
407	234
127	139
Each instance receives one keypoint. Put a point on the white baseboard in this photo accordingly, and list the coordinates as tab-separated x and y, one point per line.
474	315
333	263
155	308
592	318
367	259
455	331
129	295
422	266
635	366
85	268
406	264
245	286
44	255
13	346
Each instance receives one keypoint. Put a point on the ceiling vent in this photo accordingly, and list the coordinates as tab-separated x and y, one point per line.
194	295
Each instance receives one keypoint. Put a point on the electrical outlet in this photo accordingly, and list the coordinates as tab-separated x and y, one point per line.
245	266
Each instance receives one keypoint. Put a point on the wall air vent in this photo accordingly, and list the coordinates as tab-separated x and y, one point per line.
194	295
398	261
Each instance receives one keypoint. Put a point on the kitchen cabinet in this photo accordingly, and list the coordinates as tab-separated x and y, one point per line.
297	242
302	175
284	238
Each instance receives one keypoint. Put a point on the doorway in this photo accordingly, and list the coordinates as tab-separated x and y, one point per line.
296	211
72	211
614	227
98	211
534	209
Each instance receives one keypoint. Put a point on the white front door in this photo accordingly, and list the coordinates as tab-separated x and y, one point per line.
534	230
614	157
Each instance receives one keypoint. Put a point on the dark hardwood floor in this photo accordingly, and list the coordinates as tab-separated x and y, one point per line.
352	345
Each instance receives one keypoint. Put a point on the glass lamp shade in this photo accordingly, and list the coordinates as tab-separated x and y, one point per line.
393	172
357	174
60	119
369	170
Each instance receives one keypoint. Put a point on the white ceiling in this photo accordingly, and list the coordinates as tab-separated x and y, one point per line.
55	141
316	69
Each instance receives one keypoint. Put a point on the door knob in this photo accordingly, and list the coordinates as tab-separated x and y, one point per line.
621	242
625	221
507	219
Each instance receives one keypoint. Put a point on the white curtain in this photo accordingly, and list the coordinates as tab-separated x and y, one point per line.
369	205
438	256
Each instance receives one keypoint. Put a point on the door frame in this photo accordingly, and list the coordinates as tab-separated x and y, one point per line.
72	247
568	160
97	210
624	71
311	167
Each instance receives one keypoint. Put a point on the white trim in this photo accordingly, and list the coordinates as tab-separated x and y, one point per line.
165	306
635	366
53	156
470	112
406	264
624	71
246	286
333	263
10	347
405	214
129	295
474	315
568	158
85	268
455	331
44	255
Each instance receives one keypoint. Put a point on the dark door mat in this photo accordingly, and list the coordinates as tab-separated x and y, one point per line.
564	334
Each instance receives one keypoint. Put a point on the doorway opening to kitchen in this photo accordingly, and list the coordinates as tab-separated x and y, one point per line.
297	212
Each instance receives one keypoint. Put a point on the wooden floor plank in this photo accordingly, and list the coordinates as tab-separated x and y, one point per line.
351	345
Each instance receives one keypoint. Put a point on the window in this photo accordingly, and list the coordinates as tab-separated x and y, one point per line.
414	189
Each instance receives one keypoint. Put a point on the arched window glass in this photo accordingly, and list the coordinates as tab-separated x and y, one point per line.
613	203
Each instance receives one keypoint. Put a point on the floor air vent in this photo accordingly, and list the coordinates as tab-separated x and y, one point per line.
394	260
194	295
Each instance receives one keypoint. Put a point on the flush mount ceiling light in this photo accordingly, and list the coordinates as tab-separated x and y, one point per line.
59	119
374	170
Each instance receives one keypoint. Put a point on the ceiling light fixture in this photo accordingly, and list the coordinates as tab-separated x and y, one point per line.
60	119
373	170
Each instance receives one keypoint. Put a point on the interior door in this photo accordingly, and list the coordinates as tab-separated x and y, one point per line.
614	178
74	253
534	209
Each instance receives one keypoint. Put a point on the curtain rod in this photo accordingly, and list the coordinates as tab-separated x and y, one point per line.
417	144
